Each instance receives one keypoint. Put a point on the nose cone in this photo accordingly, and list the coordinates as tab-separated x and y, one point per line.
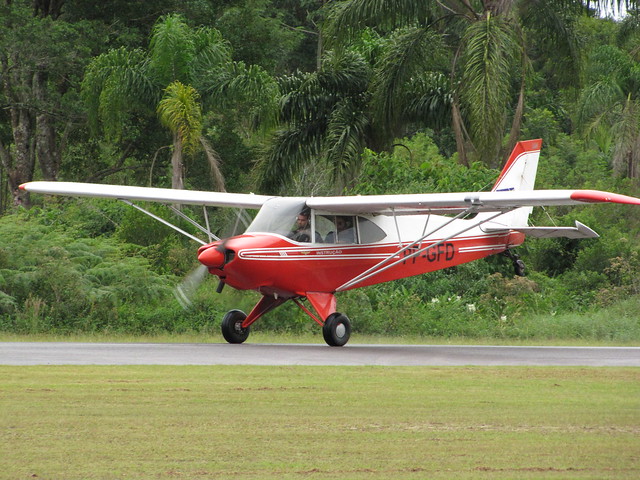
211	257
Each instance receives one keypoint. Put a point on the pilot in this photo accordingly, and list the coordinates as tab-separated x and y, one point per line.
302	229
344	231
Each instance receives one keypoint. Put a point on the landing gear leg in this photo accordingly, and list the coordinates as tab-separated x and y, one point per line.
518	265
235	324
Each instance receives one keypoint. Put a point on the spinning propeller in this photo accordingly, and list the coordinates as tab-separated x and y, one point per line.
210	257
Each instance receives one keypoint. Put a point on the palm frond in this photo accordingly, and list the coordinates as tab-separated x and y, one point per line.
115	83
346	138
411	52
344	73
597	102
210	49
288	152
345	19
429	99
491	54
555	28
303	99
179	111
171	49
626	132
214	164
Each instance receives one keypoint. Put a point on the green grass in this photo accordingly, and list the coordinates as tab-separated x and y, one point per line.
158	422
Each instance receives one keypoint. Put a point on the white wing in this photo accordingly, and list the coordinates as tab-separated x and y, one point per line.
421	203
147	194
454	202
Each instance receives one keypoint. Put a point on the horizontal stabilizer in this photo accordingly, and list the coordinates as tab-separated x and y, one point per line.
579	231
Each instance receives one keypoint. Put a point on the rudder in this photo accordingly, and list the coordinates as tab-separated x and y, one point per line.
519	173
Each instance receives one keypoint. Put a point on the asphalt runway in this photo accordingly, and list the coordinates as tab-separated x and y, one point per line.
49	353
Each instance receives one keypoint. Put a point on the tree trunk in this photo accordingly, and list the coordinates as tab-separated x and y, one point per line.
458	130
177	167
516	124
21	170
47	151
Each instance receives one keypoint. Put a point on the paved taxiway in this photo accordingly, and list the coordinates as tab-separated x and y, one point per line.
45	353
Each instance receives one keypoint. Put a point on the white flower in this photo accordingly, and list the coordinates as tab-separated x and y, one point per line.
471	307
503	318
435	300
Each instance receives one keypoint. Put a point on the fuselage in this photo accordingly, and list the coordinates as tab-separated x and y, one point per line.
273	263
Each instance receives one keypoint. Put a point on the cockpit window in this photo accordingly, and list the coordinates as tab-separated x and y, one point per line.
337	228
347	229
369	231
278	215
290	217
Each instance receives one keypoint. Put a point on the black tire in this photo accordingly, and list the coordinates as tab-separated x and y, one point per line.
336	330
232	330
519	268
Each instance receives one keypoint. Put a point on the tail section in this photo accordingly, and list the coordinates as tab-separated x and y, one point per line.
519	173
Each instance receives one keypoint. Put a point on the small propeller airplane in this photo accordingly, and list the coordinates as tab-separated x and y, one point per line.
311	248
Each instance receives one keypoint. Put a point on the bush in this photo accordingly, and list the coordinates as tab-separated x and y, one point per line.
52	281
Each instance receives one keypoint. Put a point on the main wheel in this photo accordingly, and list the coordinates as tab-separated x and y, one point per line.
336	330
232	330
519	268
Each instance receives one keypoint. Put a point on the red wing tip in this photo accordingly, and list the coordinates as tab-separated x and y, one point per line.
595	196
23	186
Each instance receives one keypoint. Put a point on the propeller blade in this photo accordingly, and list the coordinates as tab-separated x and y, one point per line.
186	289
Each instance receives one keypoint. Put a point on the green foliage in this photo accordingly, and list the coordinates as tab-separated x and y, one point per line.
388	70
52	281
179	111
255	30
491	55
416	166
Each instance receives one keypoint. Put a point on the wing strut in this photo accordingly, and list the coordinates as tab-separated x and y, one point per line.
194	223
379	268
163	221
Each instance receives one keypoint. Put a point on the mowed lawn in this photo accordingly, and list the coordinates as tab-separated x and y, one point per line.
250	422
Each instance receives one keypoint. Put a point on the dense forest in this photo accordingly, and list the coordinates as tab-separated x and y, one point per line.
311	97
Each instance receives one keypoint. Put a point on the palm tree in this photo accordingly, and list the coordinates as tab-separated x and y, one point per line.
487	45
323	118
609	108
183	68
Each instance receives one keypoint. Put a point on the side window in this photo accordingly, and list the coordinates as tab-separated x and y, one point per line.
337	228
369	231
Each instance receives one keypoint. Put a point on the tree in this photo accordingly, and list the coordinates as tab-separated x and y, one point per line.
489	48
323	119
181	66
40	54
609	107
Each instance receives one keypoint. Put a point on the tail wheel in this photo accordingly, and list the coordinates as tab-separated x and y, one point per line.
232	330
519	268
336	330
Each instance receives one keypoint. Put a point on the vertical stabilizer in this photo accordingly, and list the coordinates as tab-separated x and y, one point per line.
519	173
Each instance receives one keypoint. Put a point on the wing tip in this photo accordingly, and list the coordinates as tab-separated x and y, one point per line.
597	196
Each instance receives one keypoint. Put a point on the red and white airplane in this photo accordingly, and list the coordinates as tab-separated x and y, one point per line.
356	240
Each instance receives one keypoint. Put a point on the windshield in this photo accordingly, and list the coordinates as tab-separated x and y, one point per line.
278	215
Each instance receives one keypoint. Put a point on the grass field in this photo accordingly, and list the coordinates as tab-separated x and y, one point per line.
160	422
